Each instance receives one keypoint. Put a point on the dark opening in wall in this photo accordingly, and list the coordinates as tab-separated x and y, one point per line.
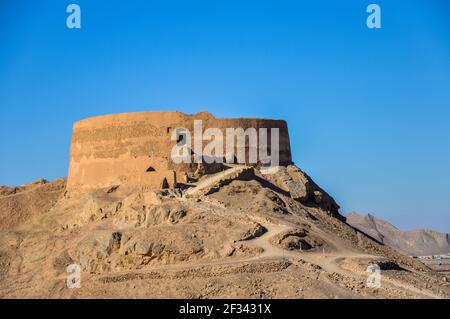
164	184
181	137
150	169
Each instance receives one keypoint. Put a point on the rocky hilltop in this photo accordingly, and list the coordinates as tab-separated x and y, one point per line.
233	232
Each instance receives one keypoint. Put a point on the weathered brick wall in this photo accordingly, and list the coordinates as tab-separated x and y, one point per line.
135	148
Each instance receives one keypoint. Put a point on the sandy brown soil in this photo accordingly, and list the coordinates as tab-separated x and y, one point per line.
240	235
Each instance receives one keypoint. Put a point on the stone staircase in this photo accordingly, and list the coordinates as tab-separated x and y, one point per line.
213	183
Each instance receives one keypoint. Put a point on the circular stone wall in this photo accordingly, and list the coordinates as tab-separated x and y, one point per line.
135	148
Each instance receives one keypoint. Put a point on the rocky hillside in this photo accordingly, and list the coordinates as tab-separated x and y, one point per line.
234	234
21	203
419	242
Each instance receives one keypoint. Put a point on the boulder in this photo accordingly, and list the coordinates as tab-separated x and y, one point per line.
302	188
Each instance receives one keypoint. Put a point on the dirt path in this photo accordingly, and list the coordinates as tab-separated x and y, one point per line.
329	262
270	252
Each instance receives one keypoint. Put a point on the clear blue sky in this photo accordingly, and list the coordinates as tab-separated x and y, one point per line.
368	110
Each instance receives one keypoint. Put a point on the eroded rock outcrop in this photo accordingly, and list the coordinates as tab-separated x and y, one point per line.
301	187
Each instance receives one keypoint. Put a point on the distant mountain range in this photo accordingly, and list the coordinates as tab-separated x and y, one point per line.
419	242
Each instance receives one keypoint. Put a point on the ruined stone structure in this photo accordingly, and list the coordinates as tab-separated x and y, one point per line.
135	148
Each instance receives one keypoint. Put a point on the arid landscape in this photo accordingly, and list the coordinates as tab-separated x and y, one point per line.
418	242
137	226
233	234
430	247
224	158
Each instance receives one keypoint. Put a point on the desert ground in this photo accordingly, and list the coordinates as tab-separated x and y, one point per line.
233	234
